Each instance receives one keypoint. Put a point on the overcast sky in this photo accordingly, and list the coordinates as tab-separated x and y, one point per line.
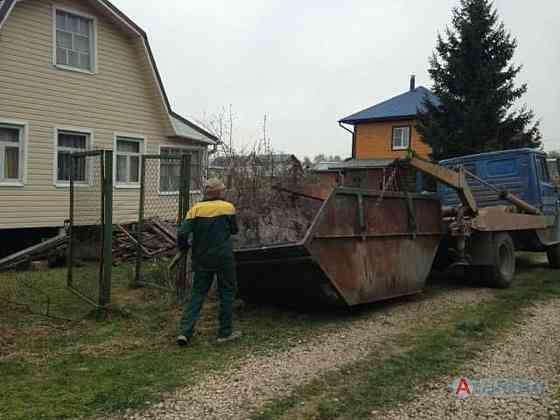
308	63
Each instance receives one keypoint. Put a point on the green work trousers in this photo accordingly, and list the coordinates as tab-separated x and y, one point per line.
202	282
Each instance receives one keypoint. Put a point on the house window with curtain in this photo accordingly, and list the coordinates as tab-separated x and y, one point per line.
401	138
128	153
69	142
11	153
74	41
170	169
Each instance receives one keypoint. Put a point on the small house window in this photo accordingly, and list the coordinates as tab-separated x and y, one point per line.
401	138
11	153
74	41
128	160
69	142
170	169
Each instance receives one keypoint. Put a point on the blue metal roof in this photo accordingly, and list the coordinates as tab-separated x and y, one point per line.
401	106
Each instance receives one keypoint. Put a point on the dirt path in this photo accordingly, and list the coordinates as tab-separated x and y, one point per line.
530	352
257	380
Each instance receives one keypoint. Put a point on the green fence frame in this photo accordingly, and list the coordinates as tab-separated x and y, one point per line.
106	217
183	207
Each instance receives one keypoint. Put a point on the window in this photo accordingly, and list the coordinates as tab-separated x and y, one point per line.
11	153
69	142
542	169
74	41
554	168
170	169
128	153
502	167
401	138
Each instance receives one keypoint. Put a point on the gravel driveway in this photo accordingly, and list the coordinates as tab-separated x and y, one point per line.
258	380
530	352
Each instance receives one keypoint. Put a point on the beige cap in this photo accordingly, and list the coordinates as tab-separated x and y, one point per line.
214	184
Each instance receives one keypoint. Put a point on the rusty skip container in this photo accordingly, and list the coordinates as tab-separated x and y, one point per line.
362	246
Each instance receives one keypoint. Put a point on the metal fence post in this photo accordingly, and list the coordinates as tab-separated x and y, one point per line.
107	170
70	254
184	204
140	224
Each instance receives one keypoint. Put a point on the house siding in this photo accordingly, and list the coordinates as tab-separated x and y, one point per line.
374	140
122	97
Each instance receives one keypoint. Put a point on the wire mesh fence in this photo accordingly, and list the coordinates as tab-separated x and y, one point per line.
164	201
41	293
149	216
41	284
90	227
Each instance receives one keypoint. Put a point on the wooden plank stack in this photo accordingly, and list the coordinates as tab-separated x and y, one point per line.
36	252
158	239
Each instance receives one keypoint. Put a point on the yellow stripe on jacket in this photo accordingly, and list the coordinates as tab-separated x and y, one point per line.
214	208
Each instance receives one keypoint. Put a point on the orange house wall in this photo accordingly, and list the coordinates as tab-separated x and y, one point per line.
374	140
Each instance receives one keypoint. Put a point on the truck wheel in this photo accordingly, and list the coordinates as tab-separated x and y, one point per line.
502	272
553	254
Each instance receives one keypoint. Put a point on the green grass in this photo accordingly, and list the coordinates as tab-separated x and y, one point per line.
53	369
394	374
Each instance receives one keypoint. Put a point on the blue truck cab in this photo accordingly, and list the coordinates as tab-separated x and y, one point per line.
524	172
490	246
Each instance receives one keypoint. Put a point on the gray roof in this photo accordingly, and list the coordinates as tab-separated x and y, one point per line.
184	128
4	6
401	106
352	164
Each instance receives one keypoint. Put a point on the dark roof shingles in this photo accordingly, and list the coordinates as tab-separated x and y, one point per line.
404	105
4	7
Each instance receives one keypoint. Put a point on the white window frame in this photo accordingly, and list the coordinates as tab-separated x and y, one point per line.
404	141
128	137
93	40
89	146
201	149
23	126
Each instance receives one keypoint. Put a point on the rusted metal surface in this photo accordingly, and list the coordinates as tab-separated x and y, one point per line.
320	191
361	247
499	219
520	204
449	177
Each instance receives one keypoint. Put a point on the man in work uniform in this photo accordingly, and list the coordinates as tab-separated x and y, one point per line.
211	222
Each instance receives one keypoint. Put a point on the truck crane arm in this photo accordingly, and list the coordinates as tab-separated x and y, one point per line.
457	179
454	179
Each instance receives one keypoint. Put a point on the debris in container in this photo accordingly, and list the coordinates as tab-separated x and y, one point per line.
281	218
266	189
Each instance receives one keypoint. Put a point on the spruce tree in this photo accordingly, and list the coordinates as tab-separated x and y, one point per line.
474	78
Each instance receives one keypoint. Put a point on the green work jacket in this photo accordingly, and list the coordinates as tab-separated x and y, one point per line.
211	222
